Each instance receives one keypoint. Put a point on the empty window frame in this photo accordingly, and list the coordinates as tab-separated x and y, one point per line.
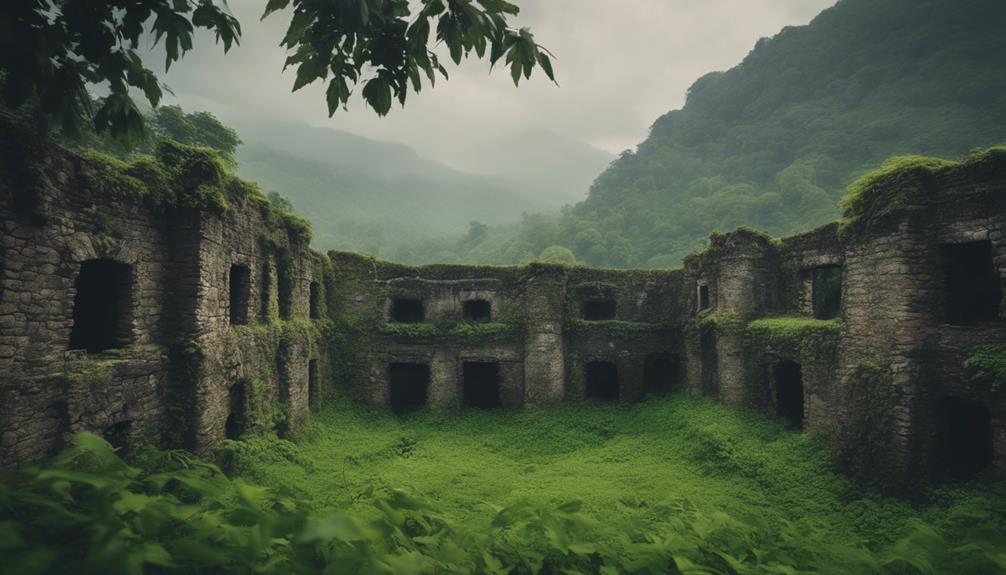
826	291
703	296
407	310
972	283
314	300
598	310
239	283
103	306
409	385
477	311
601	381
481	384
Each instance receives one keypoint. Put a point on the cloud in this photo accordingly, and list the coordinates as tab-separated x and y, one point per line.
620	65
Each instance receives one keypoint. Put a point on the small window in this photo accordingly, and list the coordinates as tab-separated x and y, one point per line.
240	294
789	392
315	300
602	381
481	384
284	291
703	297
102	308
967	437
974	288
409	384
477	311
312	383
407	310
661	373
598	310
826	286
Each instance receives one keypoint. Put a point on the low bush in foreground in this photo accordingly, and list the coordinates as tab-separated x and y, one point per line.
678	486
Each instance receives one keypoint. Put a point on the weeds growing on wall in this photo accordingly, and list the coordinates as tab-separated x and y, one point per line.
673	486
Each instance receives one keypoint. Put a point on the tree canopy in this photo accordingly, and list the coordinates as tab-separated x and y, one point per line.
52	51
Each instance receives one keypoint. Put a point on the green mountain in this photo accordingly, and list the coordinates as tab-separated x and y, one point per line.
774	142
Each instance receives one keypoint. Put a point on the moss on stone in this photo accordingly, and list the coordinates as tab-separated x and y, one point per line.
904	181
986	365
721	321
866	442
795	331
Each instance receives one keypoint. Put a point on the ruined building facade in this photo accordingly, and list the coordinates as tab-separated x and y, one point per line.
187	326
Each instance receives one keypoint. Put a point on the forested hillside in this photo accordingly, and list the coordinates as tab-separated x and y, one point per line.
774	142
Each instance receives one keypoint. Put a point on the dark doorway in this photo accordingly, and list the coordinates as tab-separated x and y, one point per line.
703	297
602	381
477	311
234	427
974	289
314	299
967	436
240	294
407	310
598	310
118	434
102	308
312	383
482	384
826	291
661	374
410	383
789	392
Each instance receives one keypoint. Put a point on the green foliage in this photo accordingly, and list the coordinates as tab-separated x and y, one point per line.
795	332
51	51
582	489
558	255
868	432
722	321
987	365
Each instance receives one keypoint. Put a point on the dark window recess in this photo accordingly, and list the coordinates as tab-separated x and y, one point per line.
118	434
312	383
410	383
284	291
703	297
234	427
240	294
314	299
598	310
661	373
102	308
789	392
407	310
967	437
481	384
477	310
974	288
826	286
602	381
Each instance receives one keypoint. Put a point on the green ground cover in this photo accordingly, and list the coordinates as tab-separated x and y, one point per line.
671	485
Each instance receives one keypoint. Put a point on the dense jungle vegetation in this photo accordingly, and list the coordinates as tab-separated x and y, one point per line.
774	142
673	485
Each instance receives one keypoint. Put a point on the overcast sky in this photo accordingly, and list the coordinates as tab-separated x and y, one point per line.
620	64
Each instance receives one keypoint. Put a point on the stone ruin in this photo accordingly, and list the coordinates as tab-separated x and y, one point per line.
185	326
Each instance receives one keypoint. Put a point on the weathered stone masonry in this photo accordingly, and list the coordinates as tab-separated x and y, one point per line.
179	370
218	323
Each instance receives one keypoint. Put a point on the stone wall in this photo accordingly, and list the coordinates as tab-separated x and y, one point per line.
75	260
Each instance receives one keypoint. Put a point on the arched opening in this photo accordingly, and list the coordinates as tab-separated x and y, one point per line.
481	382
409	385
477	311
598	310
240	293
407	310
661	373
826	291
789	392
973	285
102	308
312	383
967	436
601	381
314	299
